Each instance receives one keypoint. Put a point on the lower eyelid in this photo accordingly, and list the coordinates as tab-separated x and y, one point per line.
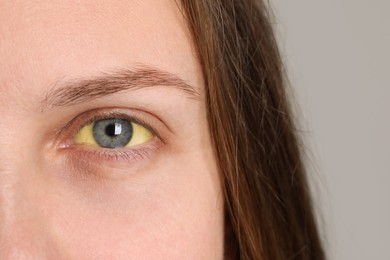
113	158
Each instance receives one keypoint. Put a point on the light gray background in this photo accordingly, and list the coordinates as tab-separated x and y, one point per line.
337	54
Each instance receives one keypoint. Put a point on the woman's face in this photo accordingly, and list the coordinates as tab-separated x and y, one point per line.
104	145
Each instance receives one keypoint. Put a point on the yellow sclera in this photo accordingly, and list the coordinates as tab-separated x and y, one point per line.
140	135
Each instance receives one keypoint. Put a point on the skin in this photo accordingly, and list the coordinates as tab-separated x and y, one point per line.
74	203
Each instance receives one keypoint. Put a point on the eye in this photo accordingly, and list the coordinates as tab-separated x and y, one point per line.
113	133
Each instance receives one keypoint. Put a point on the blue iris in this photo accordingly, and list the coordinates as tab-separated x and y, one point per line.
112	133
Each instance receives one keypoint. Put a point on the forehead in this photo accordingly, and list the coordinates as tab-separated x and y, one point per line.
47	40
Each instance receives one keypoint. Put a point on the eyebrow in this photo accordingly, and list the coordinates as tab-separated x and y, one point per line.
82	90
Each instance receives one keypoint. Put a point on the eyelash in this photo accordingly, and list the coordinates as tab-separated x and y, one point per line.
108	155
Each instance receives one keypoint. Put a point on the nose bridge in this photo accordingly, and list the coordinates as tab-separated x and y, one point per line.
24	229
19	220
23	234
11	162
13	188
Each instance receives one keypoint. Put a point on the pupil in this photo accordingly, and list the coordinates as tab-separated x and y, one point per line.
110	130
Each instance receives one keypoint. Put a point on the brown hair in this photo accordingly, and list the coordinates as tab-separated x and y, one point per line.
268	207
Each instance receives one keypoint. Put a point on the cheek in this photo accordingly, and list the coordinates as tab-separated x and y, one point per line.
173	210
